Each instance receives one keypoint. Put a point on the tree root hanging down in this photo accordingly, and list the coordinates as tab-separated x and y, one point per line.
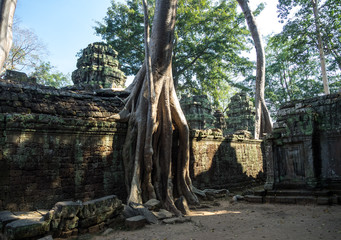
148	159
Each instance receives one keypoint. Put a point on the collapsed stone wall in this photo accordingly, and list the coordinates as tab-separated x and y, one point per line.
55	145
64	220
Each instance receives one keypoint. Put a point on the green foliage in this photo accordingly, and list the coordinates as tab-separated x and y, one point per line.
287	77
45	75
26	51
292	57
209	40
300	33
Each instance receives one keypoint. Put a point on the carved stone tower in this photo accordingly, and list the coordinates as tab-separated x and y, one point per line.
241	114
98	66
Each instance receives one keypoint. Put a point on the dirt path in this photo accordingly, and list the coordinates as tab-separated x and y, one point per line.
245	221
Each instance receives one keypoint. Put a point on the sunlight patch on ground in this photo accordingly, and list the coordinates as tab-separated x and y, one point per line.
210	213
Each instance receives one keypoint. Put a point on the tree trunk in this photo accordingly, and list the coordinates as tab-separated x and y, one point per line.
320	47
152	111
7	9
263	123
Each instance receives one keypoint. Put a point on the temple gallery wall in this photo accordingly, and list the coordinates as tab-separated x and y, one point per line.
57	145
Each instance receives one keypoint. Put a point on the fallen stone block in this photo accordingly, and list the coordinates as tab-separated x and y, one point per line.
5	218
26	228
153	204
143	211
49	237
67	209
135	222
129	212
100	206
162	214
150	217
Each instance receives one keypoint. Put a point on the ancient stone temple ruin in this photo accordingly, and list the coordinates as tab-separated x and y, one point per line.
98	66
219	160
60	154
306	145
198	111
303	156
241	114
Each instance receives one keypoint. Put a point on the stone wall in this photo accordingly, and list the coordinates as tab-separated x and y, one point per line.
55	145
232	162
304	148
58	145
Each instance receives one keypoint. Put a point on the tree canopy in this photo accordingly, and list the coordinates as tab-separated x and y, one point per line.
293	68
209	39
27	50
46	75
301	33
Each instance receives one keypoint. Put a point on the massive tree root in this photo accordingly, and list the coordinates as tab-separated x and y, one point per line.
152	111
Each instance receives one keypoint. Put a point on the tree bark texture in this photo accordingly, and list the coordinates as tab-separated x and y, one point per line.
263	122
320	47
7	9
152	111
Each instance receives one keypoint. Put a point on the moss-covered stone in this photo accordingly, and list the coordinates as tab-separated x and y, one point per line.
198	111
241	114
305	144
98	66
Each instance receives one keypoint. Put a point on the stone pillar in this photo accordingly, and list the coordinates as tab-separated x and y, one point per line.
98	67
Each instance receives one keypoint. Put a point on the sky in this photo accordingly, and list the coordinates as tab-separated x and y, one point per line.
67	26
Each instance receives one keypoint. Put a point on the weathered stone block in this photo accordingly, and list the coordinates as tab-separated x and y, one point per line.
162	214
135	222
102	205
26	228
153	204
67	209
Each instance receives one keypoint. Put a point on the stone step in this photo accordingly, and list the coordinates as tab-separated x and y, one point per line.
290	192
301	200
254	199
290	199
260	193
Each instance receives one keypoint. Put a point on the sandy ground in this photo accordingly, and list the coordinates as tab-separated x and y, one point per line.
244	221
